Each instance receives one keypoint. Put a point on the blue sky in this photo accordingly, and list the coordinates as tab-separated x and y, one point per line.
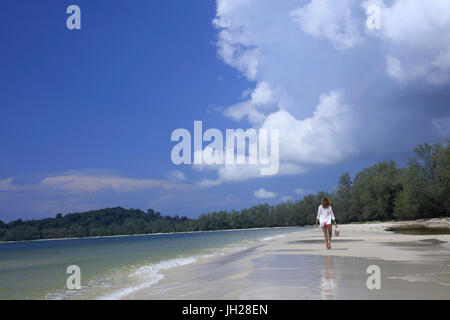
86	115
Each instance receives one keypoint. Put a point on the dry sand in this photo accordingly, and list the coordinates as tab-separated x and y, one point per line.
299	266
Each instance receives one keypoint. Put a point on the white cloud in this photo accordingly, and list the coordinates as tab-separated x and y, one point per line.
94	183
303	192
410	22
262	100
176	175
395	68
7	185
80	191
82	183
264	96
243	172
323	138
86	184
417	37
209	183
244	109
234	44
415	33
287	198
331	20
272	46
443	127
263	194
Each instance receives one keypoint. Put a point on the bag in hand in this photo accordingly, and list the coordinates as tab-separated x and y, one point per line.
336	232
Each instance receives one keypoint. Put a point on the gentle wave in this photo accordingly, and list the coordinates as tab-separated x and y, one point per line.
152	274
273	238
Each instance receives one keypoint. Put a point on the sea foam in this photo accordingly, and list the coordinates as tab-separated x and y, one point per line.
150	275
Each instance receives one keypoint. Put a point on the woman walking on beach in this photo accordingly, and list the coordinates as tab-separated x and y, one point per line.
325	217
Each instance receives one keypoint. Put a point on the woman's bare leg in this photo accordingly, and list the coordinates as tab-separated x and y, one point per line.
325	233
330	234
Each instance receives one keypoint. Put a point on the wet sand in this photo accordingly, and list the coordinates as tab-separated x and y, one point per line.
299	266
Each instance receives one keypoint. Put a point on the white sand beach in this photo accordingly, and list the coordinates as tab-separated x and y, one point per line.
298	266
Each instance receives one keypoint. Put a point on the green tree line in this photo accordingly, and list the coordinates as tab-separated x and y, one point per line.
381	192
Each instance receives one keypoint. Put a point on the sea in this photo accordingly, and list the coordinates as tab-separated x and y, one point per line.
110	268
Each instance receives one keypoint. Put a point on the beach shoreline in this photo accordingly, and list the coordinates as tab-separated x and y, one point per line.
298	266
146	234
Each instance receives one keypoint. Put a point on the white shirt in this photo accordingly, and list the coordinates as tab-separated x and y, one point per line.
325	215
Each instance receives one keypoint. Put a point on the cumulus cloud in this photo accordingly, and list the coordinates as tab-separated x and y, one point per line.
323	138
243	172
317	75
415	33
331	20
262	99
235	46
263	194
236	173
245	109
417	37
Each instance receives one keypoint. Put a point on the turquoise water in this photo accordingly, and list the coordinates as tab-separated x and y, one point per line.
111	267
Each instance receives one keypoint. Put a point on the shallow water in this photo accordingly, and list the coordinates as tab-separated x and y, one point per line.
111	267
330	277
419	230
288	275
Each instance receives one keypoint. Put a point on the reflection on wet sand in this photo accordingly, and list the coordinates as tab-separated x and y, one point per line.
328	282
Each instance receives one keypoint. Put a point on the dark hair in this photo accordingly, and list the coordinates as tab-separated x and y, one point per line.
325	202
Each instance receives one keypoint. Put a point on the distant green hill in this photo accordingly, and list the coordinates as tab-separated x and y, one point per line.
104	222
120	221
